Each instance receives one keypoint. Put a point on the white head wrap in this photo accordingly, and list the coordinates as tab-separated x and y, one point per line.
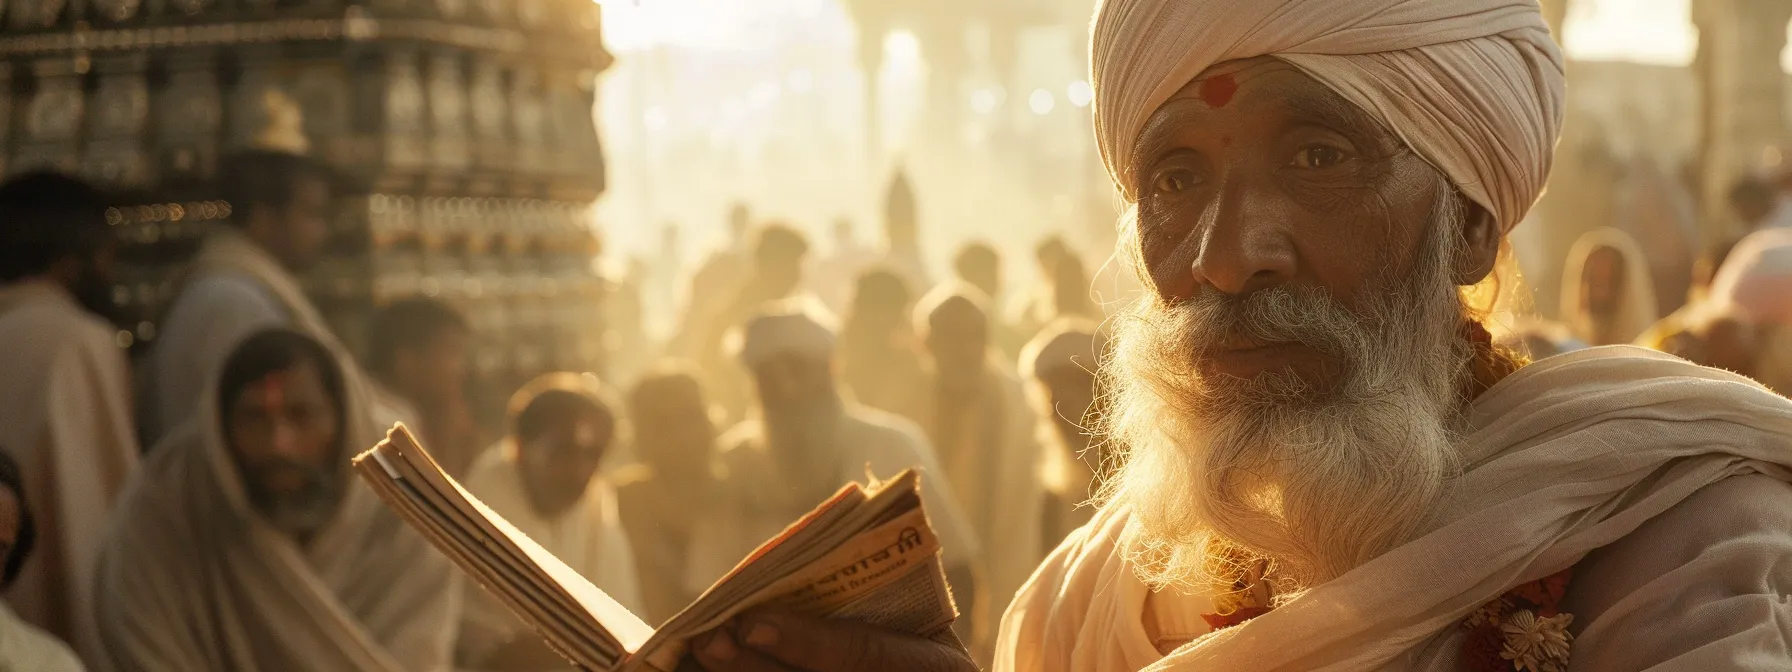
1475	87
793	327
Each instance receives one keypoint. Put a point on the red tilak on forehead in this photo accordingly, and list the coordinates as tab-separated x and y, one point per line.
273	389
1218	90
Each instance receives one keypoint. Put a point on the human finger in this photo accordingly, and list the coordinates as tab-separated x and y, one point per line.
717	651
821	645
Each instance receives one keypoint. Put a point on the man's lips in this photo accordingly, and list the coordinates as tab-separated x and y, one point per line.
1247	358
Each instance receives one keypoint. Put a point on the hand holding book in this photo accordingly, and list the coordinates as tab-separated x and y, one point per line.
774	641
866	557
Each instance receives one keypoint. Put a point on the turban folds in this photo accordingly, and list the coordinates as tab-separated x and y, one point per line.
1475	87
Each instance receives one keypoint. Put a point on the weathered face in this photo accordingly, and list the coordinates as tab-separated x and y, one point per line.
285	433
557	466
1256	176
1296	386
1602	281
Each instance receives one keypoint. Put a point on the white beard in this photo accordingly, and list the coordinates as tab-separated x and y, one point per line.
1313	481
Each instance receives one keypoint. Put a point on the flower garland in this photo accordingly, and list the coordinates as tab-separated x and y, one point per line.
1523	630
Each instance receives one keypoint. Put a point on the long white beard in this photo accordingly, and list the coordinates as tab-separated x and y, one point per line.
1313	481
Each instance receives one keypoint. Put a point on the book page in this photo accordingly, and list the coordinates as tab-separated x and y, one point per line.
889	576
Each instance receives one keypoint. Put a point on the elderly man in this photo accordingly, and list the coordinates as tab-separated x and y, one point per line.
241	544
544	480
66	404
806	444
1328	467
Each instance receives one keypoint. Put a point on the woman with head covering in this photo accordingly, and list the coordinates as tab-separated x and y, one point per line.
1608	295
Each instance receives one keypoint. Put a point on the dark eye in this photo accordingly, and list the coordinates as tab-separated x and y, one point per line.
1173	182
1318	156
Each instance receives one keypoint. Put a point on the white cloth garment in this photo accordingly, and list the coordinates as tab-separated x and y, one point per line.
589	538
65	416
192	579
24	648
1664	484
1475	87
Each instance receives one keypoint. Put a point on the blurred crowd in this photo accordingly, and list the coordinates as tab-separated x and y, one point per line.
1731	316
194	510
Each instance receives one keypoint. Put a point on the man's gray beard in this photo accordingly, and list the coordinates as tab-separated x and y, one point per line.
305	512
1315	481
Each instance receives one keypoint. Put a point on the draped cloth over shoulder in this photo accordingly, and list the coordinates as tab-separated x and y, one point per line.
1567	457
1475	87
191	578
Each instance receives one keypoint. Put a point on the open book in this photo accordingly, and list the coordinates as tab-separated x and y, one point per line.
866	554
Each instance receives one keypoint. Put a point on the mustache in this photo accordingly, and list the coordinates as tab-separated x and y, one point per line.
1213	321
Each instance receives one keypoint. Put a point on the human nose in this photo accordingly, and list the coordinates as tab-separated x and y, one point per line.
286	442
1244	245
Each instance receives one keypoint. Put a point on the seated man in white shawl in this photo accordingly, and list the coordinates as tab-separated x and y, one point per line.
544	479
1328	465
241	543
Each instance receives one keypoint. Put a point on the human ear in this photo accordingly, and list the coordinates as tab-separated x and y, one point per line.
1481	244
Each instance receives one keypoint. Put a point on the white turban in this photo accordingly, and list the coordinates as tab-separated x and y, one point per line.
794	327
1475	87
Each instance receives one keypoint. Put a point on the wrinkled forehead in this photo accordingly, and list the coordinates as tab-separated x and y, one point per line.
1256	86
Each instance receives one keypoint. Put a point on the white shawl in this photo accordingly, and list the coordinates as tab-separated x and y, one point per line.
191	578
1566	456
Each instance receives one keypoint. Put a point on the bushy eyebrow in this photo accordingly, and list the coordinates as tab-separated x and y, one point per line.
1327	108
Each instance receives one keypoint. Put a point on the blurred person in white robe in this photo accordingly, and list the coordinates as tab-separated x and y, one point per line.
418	349
1326	463
1060	366
544	479
775	273
880	356
979	265
667	490
807	442
1608	293
245	277
66	406
23	647
243	542
979	422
